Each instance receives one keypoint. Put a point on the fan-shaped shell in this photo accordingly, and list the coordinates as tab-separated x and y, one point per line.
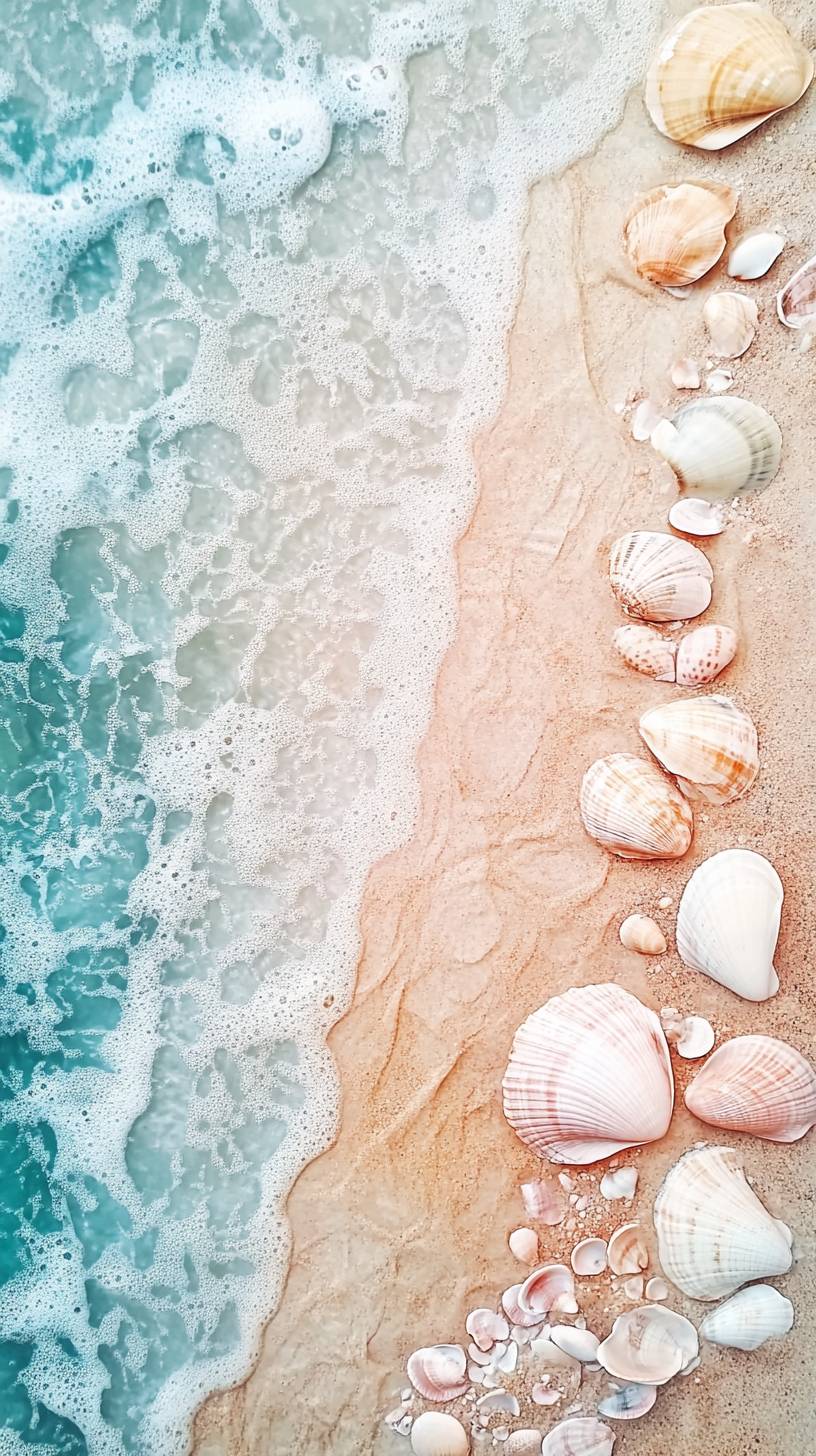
704	653
796	302
756	1084
713	1234
731	320
728	922
709	744
648	1345
723	70
646	651
753	255
749	1318
439	1372
675	233
721	447
580	1436
632	809
589	1074
435	1433
627	1252
629	1403
658	577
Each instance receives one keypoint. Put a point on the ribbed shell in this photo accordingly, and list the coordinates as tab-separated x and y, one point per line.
756	1084
675	233
589	1074
731	320
649	1345
721	447
704	653
632	809
796	302
722	71
658	577
713	1234
439	1372
646	651
728	922
708	743
749	1318
580	1436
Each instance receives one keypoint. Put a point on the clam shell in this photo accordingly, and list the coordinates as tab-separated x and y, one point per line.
582	1345
628	806
731	320
435	1433
657	1289
620	1183
696	1037
675	233
646	651
550	1285
439	1372
756	1084
659	578
721	71
709	744
485	1327
629	1403
749	1318
642	934
728	922
754	255
796	302
523	1244
713	1234
589	1257
648	1345
589	1074
627	1252
720	448
580	1436
704	653
696	517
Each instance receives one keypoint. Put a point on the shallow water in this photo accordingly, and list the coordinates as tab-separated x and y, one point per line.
257	266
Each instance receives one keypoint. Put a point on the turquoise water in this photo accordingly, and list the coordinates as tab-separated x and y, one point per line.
256	267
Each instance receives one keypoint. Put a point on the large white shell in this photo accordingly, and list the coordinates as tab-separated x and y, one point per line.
676	232
756	1084
629	1403
648	1345
731	320
721	447
728	922
749	1318
659	577
713	1233
439	1372
646	651
580	1436
796	302
708	743
589	1074
754	254
434	1433
632	809
704	653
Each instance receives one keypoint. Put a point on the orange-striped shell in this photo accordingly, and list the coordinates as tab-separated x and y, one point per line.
708	743
676	233
632	809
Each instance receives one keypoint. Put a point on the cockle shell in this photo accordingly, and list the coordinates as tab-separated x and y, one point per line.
646	651
648	1345
620	1183
552	1284
731	320
642	934
580	1436
523	1244
515	1314
632	809
796	302
749	1318
439	1372
658	577
485	1327
629	1403
756	1084
589	1257
696	517
704	653
754	254
720	448
713	1234
434	1433
589	1074
728	922
675	233
721	71
709	744
544	1200
627	1252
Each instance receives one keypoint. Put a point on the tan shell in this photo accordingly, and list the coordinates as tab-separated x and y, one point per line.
721	447
759	1085
658	577
704	653
642	934
676	233
731	320
646	651
632	809
708	743
796	302
722	71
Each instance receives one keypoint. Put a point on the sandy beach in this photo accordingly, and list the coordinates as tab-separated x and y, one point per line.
499	900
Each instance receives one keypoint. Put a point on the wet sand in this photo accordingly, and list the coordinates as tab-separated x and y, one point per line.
499	900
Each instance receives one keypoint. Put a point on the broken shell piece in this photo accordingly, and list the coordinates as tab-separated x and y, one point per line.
643	649
545	1201
589	1257
675	233
439	1372
731	320
649	1345
629	1403
749	1318
524	1245
541	1289
485	1327
527	1442
754	255
620	1183
435	1433
720	448
642	934
645	417
504	1358
498	1401
633	810
704	653
657	1289
658	578
399	1420
627	1252
796	302
685	374
633	1287
708	743
759	1085
696	517
728	922
719	380
540	1395
579	1436
478	1356
582	1345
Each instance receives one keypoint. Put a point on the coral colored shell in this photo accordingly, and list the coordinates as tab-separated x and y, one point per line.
720	448
704	653
709	744
754	255
646	651
796	302
439	1372
756	1084
589	1257
659	578
579	1436
627	1252
675	233
544	1200
723	70
648	1345
642	934
434	1433
629	1403
731	320
552	1284
696	517
589	1074
632	809
749	1318
713	1234
728	922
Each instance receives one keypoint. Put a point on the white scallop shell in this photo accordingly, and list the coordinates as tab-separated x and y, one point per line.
579	1436
632	809
434	1433
720	448
704	653
589	1257
523	1244
646	651
759	1085
728	922
796	302
629	1403
749	1318
732	320
708	743
642	934
648	1345
696	517
620	1183
589	1074
627	1252
439	1372
754	254
657	577
713	1233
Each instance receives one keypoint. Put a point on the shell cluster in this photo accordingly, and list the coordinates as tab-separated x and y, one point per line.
697	659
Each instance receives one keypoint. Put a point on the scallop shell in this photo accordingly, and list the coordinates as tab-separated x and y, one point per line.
439	1372
756	1084
728	922
434	1433
589	1074
754	255
523	1244
646	651
642	934
721	71
628	806
675	233
629	1403
589	1257
749	1318
713	1234
579	1436
659	578
627	1252
648	1345
709	744
696	517
732	321
720	448
551	1285
796	302
704	653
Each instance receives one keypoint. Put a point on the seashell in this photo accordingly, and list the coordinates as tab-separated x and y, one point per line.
546	1353
704	653
657	1289
629	1403
589	1257
719	380
642	934
515	1314
675	233
544	1200
713	1234
627	1252
523	1244
498	1401
720	448
646	651
658	578
524	1443
542	1395
477	1355
630	808
728	922
633	1287
582	1345
796	302
579	1436
756	1084
685	374
648	1346
399	1420
439	1372
435	1433
645	417
753	255
696	1038
721	71
749	1318
732	321
589	1074
696	517
485	1327
621	1183
545	1286
709	744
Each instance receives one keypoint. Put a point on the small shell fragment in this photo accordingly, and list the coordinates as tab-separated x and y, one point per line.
579	1436
642	934
692	1036
696	517
731	320
754	255
685	374
523	1244
629	1403
796	302
633	1287
582	1345
645	417
542	1395
435	1433
657	1289
719	380
544	1200
627	1252
545	1286
498	1400
526	1442
643	649
485	1327
749	1318
589	1257
620	1183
